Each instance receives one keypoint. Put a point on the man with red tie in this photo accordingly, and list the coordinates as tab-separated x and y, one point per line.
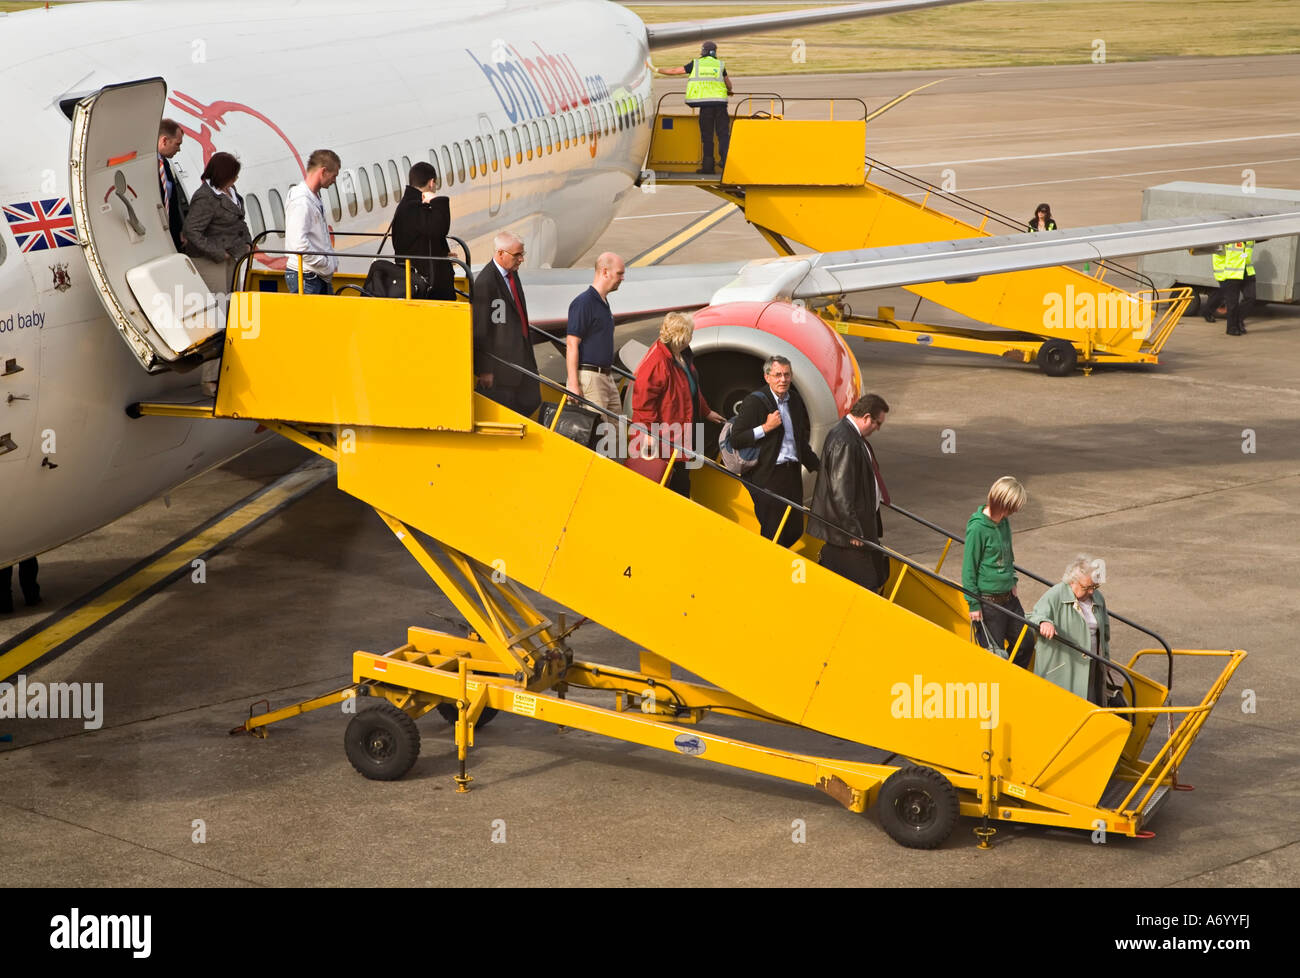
502	340
849	493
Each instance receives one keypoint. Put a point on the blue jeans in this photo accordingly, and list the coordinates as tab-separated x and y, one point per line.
312	284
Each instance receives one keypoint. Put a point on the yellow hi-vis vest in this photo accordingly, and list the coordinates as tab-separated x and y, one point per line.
706	84
1234	261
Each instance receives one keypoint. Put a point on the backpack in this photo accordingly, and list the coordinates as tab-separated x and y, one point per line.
739	461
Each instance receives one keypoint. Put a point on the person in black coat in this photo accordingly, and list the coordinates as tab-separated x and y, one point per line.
846	500
501	331
783	450
421	224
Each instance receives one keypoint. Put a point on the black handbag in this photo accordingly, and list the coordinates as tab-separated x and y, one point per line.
577	423
387	280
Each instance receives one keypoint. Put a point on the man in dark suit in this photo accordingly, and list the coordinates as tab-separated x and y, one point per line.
170	137
501	330
846	501
774	418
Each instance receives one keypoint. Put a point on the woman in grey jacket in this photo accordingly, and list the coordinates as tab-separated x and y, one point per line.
216	234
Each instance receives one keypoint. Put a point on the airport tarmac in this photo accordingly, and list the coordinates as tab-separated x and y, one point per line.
1144	467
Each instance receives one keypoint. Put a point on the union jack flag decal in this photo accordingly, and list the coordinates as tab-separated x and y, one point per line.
41	224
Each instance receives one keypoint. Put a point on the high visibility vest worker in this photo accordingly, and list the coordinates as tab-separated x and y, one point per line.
706	85
1234	261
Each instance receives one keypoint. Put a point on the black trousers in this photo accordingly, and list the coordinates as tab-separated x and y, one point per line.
785	481
1238	296
714	121
858	564
27	571
1004	630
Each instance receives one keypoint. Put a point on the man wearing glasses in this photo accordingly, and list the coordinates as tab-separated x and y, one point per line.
502	340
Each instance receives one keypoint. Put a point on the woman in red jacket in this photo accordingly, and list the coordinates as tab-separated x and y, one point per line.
667	402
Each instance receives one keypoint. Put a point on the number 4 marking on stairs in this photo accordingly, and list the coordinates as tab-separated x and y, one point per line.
628	571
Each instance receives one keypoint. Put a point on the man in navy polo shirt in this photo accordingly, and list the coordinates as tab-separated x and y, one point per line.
589	343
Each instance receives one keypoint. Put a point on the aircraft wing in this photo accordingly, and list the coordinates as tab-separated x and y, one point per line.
836	273
687	31
645	292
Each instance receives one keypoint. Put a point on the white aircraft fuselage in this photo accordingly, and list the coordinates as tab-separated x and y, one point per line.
382	84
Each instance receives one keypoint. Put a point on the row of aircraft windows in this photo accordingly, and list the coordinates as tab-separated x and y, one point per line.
464	161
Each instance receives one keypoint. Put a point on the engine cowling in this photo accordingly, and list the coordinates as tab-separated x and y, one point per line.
733	339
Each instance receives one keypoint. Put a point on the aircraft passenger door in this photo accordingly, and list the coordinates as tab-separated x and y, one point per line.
154	296
495	169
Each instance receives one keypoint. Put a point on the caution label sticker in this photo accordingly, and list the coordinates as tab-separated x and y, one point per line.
525	705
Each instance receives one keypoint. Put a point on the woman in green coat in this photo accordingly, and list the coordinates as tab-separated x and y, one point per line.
1074	610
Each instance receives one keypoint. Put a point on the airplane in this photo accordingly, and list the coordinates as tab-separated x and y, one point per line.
536	115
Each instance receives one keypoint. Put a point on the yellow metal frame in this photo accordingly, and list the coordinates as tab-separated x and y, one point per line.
428	470
806	181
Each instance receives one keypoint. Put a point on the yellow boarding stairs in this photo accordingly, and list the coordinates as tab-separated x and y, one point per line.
807	180
490	504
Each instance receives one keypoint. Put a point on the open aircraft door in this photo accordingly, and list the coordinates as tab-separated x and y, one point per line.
154	296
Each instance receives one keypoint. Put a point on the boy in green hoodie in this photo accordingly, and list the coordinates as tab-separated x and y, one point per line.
988	569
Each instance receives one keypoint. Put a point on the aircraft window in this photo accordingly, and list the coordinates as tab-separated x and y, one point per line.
460	162
447	175
505	147
406	168
608	117
396	178
277	212
3	252
256	224
367	196
563	142
537	137
514	144
482	160
569	135
555	134
469	160
336	208
381	185
349	192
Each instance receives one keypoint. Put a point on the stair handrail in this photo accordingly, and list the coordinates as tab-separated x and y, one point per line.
957	538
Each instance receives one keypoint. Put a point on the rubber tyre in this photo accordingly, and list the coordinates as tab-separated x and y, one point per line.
449	713
1198	300
918	807
382	742
1057	358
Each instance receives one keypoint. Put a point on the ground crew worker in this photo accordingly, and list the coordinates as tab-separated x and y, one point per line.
707	89
1236	277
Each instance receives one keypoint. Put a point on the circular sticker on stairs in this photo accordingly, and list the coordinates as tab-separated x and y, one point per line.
689	744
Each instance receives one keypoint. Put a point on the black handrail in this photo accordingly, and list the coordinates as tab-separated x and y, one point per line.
248	257
800	508
1169	652
365	234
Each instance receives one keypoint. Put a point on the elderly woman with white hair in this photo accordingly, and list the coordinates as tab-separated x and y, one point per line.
1074	610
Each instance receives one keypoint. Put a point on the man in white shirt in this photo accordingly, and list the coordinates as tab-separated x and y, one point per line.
305	227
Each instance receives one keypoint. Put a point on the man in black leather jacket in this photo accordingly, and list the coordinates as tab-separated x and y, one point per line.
846	501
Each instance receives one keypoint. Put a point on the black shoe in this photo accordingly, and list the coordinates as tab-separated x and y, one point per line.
1209	318
1232	332
1242	329
32	600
